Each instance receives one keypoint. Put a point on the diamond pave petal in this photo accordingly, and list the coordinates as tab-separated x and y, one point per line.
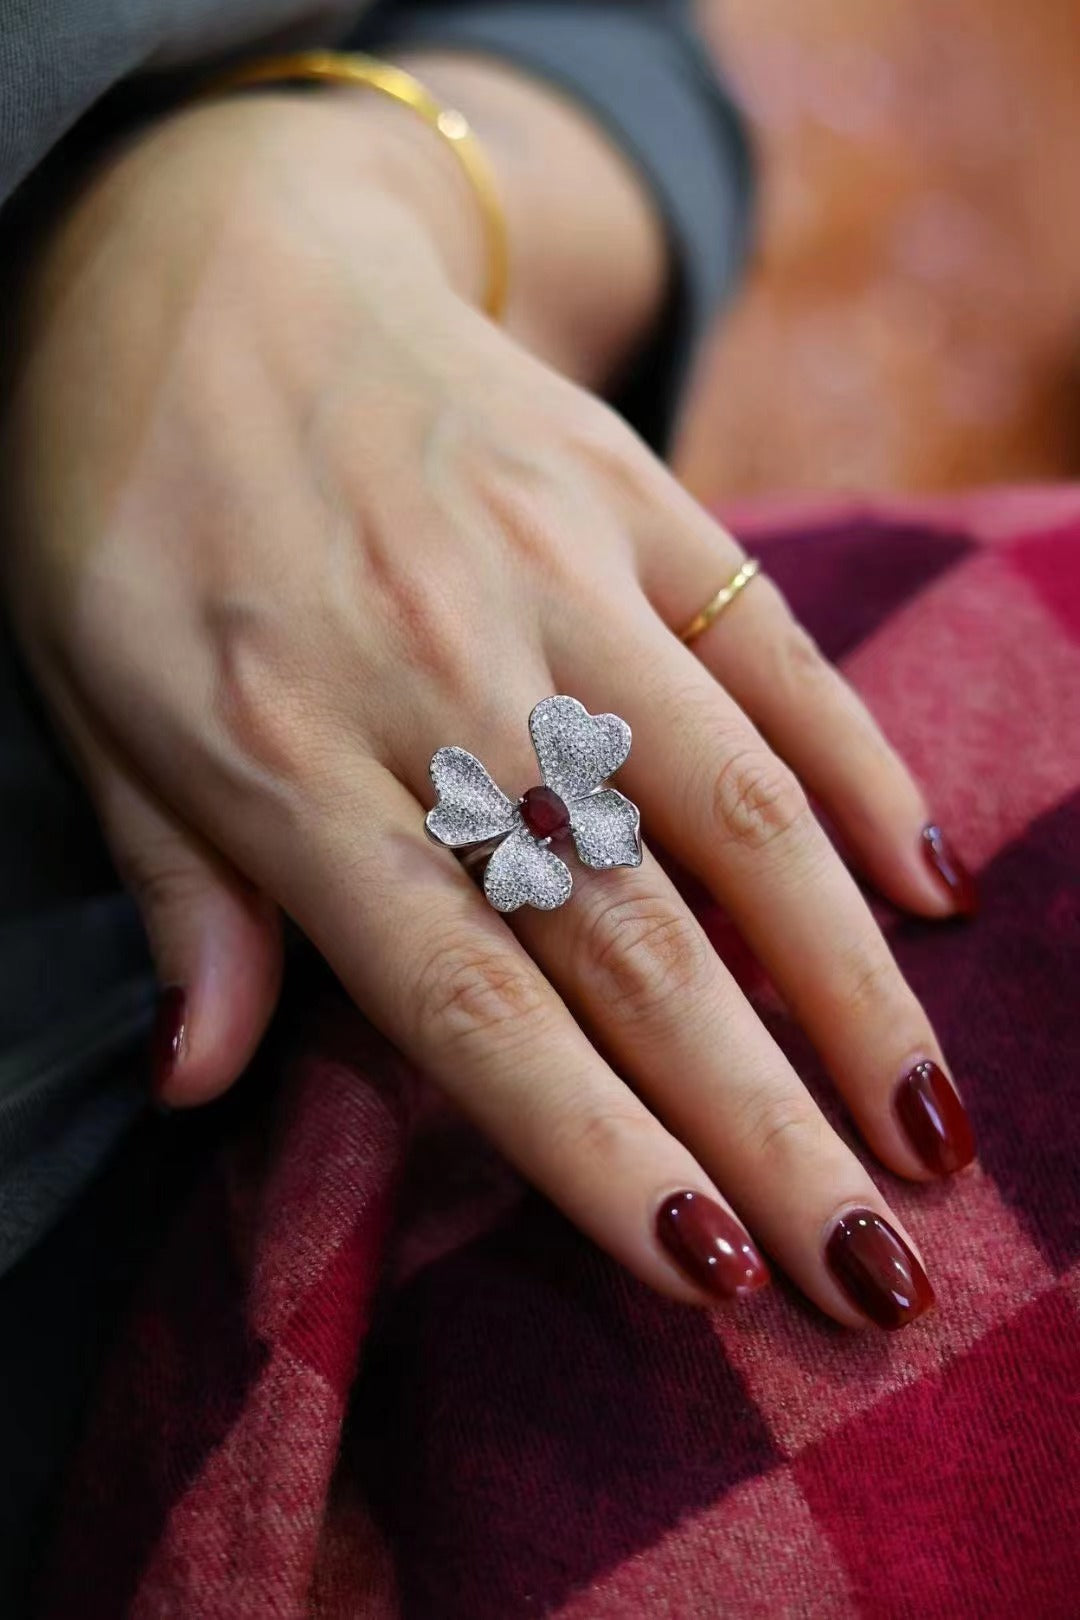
606	827
470	806
522	872
577	750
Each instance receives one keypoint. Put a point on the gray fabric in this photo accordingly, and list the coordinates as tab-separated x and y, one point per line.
76	986
58	1120
76	983
57	57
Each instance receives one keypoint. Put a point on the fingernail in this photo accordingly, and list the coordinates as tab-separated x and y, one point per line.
935	1120
710	1246
167	1041
877	1270
950	871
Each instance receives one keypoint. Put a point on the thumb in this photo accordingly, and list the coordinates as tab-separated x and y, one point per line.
216	943
215	939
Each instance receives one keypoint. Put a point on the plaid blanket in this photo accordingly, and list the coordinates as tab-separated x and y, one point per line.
369	1374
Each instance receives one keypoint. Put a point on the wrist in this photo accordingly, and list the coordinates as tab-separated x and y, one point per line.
587	249
587	256
277	183
366	168
399	162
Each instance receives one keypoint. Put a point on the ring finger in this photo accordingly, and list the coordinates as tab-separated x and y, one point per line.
808	713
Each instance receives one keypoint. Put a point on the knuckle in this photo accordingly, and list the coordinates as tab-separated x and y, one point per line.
473	990
780	1128
632	479
867	982
427	624
585	422
757	799
614	449
541	509
162	883
606	1136
801	674
519	485
801	659
642	952
262	697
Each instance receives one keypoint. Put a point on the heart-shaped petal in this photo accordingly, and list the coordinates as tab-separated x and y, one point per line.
606	828
470	806
522	872
577	750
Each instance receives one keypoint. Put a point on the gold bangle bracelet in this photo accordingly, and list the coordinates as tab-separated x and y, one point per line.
336	67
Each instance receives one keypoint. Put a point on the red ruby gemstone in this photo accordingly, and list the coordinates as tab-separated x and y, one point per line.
544	813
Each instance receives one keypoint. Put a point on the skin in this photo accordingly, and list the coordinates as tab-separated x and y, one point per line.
288	514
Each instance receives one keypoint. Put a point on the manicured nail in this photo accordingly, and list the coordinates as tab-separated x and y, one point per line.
950	871
167	1041
877	1270
935	1120
710	1246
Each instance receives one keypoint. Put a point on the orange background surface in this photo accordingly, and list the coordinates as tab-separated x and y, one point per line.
911	317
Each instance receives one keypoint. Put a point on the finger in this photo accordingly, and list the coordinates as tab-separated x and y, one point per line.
810	715
216	940
633	962
438	971
217	948
713	793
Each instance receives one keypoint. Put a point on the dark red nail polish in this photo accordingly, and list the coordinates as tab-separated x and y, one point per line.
950	871
935	1120
877	1270
710	1245
167	1041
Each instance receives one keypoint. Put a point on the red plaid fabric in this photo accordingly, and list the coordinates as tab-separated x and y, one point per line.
371	1375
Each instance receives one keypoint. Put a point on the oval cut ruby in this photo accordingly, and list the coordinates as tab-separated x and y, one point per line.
544	813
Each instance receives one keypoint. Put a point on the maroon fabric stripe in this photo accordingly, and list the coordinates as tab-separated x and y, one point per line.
159	1415
845	580
529	1416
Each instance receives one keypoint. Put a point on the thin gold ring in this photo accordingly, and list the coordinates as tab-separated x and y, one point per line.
723	598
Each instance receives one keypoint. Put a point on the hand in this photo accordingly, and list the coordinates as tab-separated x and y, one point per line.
287	516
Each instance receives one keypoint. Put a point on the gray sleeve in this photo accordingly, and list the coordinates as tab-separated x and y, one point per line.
640	69
58	57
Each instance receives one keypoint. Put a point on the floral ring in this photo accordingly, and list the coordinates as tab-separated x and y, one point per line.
577	752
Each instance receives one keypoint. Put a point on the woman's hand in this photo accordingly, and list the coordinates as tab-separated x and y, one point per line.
286	516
